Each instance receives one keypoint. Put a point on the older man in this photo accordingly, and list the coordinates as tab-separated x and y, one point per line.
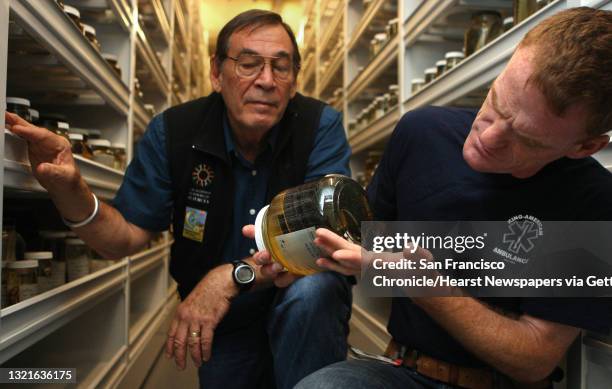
207	166
526	152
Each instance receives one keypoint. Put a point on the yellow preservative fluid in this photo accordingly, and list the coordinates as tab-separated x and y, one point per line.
286	227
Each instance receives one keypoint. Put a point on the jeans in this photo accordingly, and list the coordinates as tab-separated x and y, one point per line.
368	375
305	330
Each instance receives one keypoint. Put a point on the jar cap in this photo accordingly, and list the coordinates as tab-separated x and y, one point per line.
72	11
417	81
380	36
118	145
454	54
441	62
50	234
25	264
393	21
259	239
75	242
89	29
110	57
99	142
73	136
509	20
18	100
34	113
63	125
431	71
38	255
393	87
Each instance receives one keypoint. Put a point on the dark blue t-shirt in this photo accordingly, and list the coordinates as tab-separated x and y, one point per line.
423	176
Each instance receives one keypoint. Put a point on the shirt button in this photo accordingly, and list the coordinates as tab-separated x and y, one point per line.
252	212
252	251
254	172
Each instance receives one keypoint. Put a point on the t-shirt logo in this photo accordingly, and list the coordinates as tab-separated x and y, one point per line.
202	175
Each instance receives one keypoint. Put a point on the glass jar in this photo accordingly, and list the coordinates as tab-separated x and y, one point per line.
54	241
77	259
102	152
150	108
484	27
79	146
34	116
379	108
90	34
286	227
394	92
19	106
430	75
113	61
22	280
75	15
508	23
352	125
13	245
373	48
382	39
440	67
4	290
392	27
386	98
416	84
45	268
523	9
62	129
120	161
453	58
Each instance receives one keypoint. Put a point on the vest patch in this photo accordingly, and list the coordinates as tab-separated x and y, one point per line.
195	220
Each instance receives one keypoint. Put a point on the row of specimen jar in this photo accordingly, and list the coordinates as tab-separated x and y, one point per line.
379	41
84	142
377	108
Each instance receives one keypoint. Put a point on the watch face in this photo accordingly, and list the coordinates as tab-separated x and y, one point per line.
244	274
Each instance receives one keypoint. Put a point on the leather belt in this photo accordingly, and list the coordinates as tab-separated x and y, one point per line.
464	377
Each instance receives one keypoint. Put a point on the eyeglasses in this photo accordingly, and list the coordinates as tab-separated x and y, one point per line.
250	66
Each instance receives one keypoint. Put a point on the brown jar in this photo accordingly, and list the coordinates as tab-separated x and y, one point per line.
79	146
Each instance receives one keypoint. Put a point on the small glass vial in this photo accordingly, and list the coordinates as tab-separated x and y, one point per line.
440	67
90	34
113	61
508	23
120	162
286	227
352	126
386	99
22	281
379	108
4	302
13	245
75	15
394	92
77	259
45	268
79	146
416	84
54	241
102	152
62	129
392	27
430	75
453	58
523	9
19	106
34	116
484	27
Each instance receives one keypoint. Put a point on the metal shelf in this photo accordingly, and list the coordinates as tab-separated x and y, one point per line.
478	70
331	74
123	10
27	322
151	62
376	132
375	68
141	117
331	31
362	26
162	25
181	25
46	22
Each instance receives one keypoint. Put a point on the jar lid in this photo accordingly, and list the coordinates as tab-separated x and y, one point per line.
431	71
393	87
393	21
34	113
89	29
387	95
63	125
75	242
99	142
441	62
509	20
72	11
38	255
118	145
374	41
50	234
110	57
454	54
379	98
73	136
417	81
18	101
25	264
259	219
381	36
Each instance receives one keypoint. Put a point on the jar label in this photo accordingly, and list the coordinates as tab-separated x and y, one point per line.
77	268
58	273
299	248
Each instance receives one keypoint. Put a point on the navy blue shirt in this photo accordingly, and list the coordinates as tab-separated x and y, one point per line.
423	176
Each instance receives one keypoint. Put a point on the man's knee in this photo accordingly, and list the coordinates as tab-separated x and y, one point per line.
325	289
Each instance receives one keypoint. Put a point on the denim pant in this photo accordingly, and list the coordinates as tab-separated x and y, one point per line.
305	330
368	375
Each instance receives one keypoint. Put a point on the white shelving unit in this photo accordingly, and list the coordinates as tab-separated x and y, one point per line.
101	323
427	29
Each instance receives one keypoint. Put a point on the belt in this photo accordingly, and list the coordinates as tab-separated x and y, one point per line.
461	376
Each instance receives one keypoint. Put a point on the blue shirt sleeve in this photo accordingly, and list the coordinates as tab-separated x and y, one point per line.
145	196
331	151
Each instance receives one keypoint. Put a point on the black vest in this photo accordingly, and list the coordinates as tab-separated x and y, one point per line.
202	178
